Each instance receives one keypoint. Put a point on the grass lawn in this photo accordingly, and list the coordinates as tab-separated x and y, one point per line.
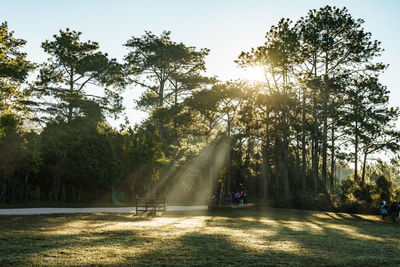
252	236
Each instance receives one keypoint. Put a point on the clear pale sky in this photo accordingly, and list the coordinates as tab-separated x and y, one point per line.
226	27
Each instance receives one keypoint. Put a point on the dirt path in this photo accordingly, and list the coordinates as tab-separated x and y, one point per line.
35	211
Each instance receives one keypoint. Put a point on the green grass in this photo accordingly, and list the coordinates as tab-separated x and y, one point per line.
253	236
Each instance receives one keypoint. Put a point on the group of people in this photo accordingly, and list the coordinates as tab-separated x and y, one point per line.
394	210
231	199
238	198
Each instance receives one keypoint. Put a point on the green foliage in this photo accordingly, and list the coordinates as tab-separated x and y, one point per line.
73	66
10	154
384	187
78	156
322	103
142	158
377	187
173	67
321	89
167	70
14	69
8	125
32	159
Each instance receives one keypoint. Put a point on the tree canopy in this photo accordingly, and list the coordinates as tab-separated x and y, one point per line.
304	137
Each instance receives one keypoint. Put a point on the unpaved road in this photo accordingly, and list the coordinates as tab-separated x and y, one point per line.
35	211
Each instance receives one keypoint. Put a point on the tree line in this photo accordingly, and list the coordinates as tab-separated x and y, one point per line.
320	108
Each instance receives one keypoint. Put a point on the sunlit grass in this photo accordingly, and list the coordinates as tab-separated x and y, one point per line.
237	237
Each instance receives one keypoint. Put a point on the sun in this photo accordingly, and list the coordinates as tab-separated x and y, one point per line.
252	74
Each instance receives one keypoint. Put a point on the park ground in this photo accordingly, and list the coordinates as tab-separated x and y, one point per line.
252	236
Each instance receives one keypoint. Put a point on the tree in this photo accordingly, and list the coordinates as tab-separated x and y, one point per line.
14	69
141	155
333	45
229	100
73	65
79	158
368	120
30	162
277	58
10	153
164	68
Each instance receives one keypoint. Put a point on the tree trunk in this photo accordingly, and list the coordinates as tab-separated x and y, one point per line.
325	146
315	163
356	152
285	168
37	193
315	141
228	174
363	180
228	171
303	145
71	90
25	188
285	143
332	157
277	167
265	170
211	180
80	192
315	157
326	94
297	155
363	169
73	193
63	194
161	103
176	105
3	192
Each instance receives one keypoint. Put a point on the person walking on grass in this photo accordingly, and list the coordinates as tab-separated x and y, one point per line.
383	209
393	211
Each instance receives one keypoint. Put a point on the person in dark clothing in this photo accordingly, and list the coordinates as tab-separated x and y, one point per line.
237	196
241	198
393	211
383	208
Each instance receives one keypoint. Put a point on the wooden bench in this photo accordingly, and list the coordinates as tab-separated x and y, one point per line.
150	204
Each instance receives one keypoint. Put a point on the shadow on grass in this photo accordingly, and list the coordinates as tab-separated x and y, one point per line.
213	250
58	220
339	240
20	249
238	237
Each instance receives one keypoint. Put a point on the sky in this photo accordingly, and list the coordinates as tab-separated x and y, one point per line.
226	27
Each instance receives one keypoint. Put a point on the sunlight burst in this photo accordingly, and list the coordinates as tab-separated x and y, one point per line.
253	74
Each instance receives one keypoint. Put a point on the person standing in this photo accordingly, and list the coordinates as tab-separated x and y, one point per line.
383	209
245	199
241	198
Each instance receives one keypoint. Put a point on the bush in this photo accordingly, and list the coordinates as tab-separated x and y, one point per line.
307	201
352	205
